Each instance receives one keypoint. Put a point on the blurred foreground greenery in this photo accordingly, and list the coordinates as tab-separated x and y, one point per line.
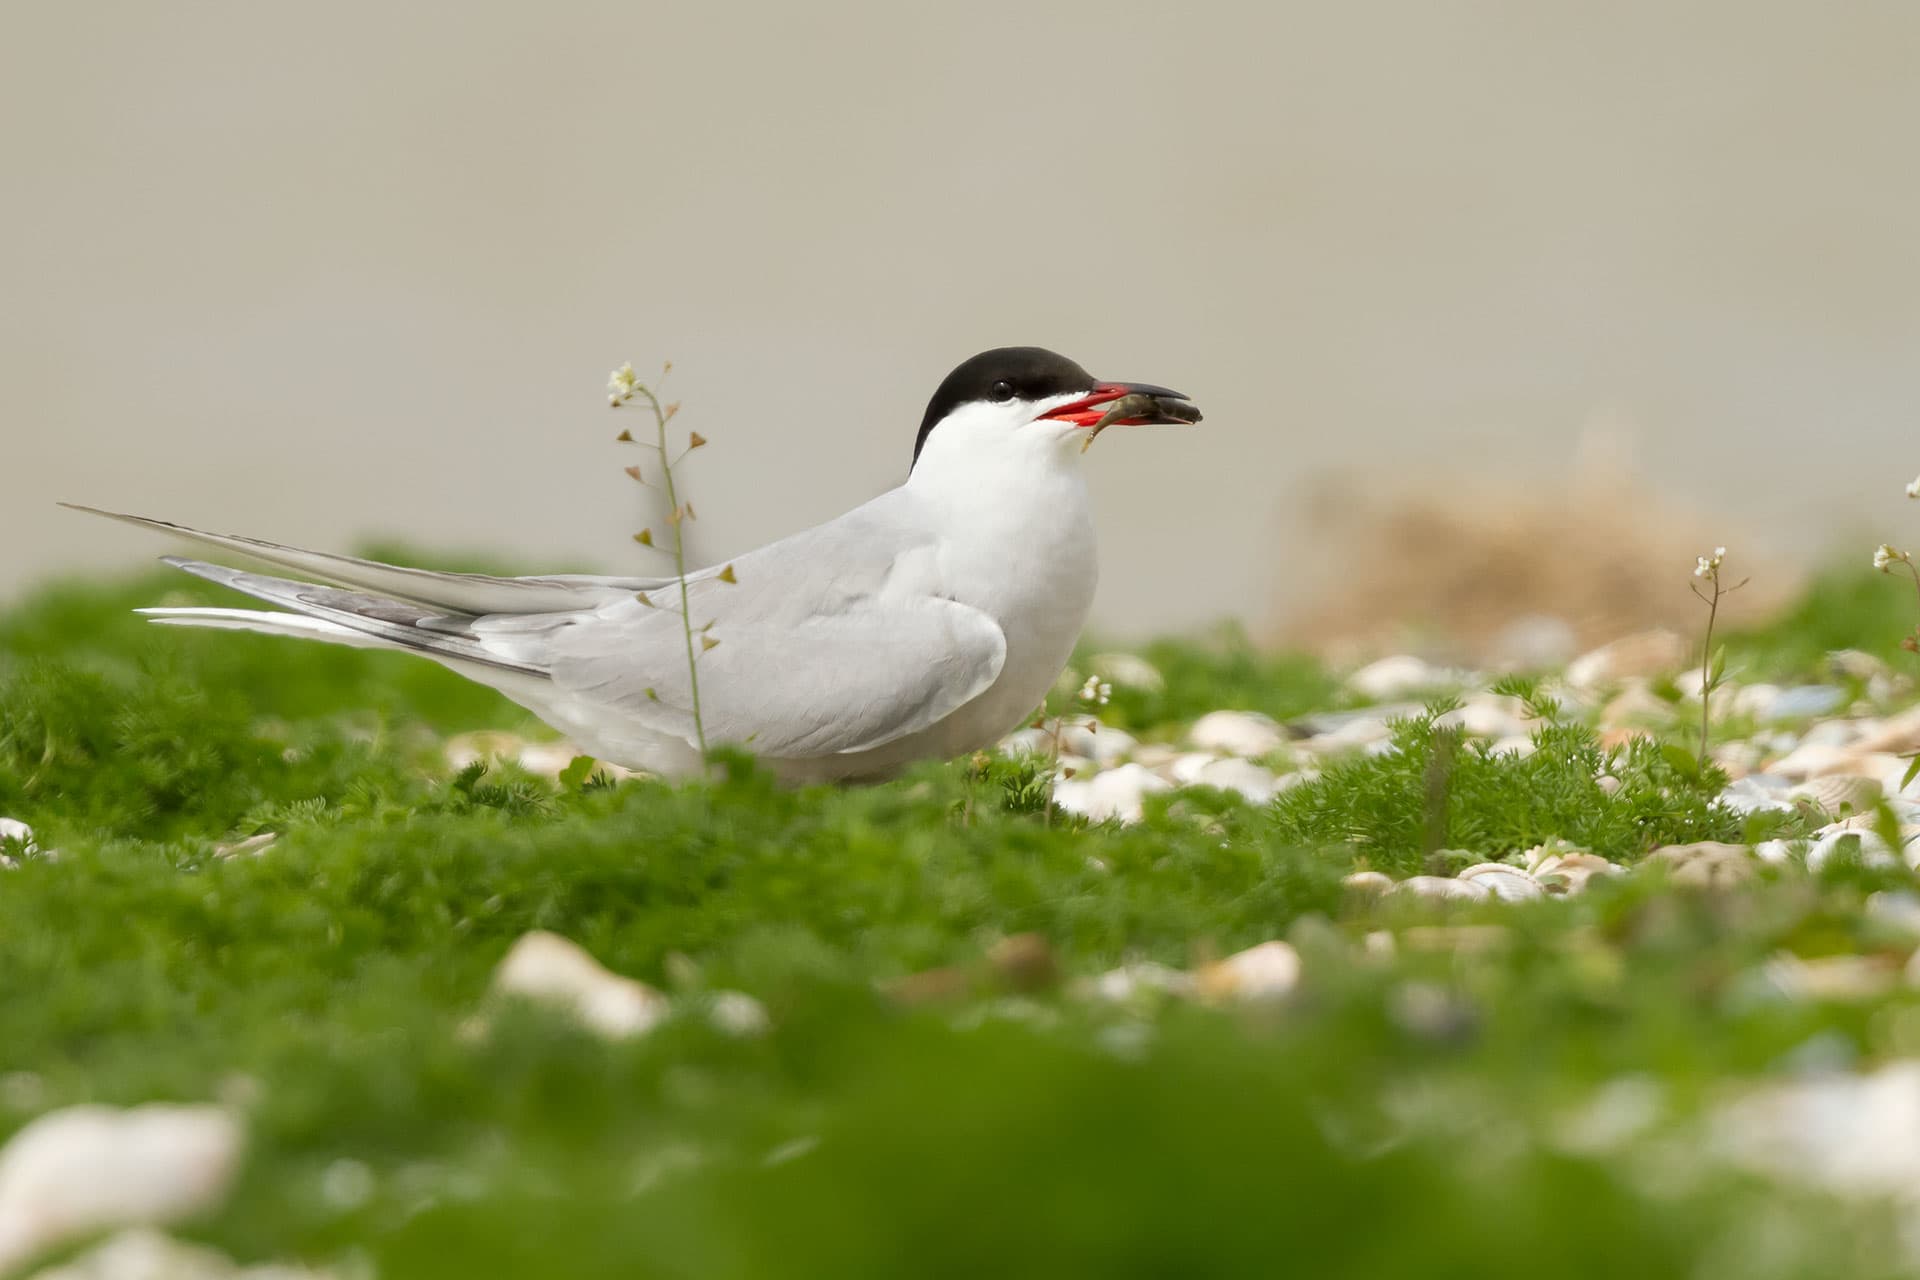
1413	1113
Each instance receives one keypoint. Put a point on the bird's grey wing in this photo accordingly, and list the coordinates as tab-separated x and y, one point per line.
833	640
831	683
471	593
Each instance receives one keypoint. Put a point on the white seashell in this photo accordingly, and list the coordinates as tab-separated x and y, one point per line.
90	1168
1759	793
1127	670
737	1014
1833	733
1368	882
1897	909
1186	768
1241	776
1236	733
1094	741
1266	972
1636	707
1125	984
21	836
251	847
1778	852
141	1253
1837	1131
1830	840
1646	653
551	969
1026	742
1706	864
1830	977
1158	756
1444	887
1898	733
1533	641
1487	715
1400	676
1754	701
1352	733
1116	793
1508	883
1470	939
1837	793
1566	872
1817	760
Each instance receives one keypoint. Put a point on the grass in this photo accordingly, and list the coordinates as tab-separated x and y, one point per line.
1403	1115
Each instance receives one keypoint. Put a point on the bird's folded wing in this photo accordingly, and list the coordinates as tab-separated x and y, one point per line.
472	593
842	681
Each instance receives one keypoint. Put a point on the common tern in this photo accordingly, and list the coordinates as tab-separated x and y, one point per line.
926	623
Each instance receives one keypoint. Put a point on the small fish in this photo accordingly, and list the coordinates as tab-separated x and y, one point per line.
1139	405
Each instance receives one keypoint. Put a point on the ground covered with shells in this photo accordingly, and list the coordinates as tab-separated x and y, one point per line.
324	962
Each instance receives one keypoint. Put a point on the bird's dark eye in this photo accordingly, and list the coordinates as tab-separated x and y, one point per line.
1001	391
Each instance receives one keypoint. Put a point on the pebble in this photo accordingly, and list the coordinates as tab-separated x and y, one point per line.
550	969
1236	733
1114	793
1265	972
91	1168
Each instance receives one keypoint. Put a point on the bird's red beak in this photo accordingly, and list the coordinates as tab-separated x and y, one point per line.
1088	410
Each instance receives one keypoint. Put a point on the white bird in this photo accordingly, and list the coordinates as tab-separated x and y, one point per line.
926	623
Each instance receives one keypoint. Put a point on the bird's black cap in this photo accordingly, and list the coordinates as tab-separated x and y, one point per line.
1034	373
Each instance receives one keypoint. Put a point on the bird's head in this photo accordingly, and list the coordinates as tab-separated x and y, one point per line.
1027	400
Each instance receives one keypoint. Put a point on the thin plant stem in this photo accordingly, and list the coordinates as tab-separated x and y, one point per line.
1706	663
677	518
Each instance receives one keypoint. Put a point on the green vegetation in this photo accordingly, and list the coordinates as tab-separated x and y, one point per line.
1417	1113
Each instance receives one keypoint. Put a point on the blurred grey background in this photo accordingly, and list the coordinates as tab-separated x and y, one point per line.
319	272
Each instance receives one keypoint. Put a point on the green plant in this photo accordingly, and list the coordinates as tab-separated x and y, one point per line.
622	387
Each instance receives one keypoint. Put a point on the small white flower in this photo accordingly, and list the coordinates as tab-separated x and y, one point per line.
1096	691
1708	566
621	383
1913	488
1885	557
